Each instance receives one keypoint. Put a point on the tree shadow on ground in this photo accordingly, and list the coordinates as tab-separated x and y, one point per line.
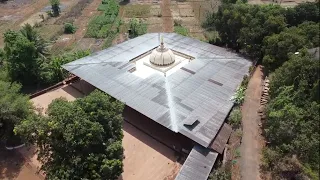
11	163
151	142
124	2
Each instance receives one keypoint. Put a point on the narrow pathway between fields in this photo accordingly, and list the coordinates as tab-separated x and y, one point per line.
251	140
167	19
82	22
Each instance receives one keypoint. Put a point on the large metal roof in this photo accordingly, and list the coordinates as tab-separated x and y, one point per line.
200	90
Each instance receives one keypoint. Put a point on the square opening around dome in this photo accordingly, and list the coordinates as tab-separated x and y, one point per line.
144	68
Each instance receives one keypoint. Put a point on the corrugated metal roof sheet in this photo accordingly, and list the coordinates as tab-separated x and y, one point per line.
192	93
220	141
198	165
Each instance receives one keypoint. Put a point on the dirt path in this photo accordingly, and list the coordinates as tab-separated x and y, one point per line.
83	21
167	19
18	13
251	139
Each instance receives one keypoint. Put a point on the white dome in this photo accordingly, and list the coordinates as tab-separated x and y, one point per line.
162	56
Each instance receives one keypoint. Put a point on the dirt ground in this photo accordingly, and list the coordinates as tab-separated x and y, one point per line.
42	102
14	166
145	157
251	146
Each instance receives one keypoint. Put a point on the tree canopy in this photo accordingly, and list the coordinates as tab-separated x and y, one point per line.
280	38
14	107
256	29
80	139
308	11
293	112
26	59
21	57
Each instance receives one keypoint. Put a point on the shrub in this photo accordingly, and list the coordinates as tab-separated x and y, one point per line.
245	81
177	22
237	153
55	7
69	28
107	23
137	28
238	98
181	30
222	173
213	38
235	117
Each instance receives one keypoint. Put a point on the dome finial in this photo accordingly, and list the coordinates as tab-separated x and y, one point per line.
161	44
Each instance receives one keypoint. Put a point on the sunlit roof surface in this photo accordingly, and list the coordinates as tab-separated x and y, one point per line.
201	88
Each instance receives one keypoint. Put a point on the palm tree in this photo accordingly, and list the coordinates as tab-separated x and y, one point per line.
32	35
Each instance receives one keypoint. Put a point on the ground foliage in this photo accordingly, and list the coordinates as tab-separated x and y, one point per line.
106	24
80	139
179	28
234	118
69	28
137	28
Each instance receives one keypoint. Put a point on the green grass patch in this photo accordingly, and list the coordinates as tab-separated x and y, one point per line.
138	10
107	23
50	32
181	30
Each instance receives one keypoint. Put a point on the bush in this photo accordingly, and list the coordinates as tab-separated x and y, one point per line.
222	173
137	28
235	117
53	72
177	22
55	7
245	81
69	28
181	30
213	38
107	23
108	41
238	98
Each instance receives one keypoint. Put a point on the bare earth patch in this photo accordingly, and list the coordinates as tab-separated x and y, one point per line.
251	140
146	158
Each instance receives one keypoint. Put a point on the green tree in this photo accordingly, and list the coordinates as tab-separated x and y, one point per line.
261	21
14	107
311	31
277	46
21	58
57	73
80	139
33	36
55	7
308	11
293	112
